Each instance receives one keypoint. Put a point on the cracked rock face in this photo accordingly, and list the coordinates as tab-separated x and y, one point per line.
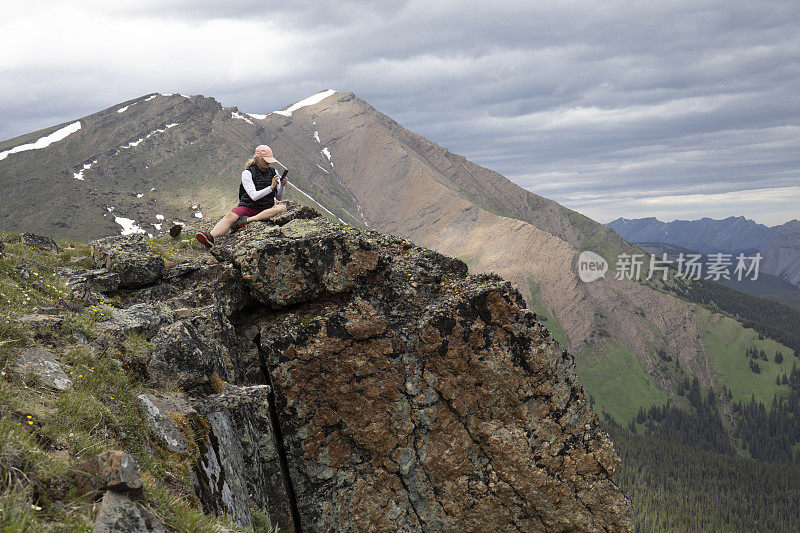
463	415
403	394
421	399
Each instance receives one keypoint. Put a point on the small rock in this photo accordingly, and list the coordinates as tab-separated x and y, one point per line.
40	321
293	212
47	310
45	366
93	280
112	470
118	514
184	312
40	242
156	411
23	272
140	318
180	270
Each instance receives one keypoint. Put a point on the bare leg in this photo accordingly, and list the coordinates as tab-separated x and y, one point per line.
224	224
267	213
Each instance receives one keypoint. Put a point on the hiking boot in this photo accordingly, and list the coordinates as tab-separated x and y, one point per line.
239	224
175	231
206	239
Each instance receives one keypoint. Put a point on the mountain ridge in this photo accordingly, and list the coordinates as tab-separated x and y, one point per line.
365	169
779	245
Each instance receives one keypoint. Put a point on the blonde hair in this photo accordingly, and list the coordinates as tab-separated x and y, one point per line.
252	161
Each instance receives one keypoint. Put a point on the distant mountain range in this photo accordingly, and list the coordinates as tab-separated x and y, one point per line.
144	163
779	245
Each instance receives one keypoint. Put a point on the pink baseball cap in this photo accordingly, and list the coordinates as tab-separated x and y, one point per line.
265	152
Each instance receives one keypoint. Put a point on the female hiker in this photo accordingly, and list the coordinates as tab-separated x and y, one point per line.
259	189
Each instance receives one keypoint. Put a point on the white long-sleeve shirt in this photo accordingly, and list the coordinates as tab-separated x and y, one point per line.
254	194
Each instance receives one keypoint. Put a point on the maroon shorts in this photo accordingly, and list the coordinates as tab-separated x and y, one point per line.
243	211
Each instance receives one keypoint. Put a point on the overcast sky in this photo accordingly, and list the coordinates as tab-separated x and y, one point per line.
655	108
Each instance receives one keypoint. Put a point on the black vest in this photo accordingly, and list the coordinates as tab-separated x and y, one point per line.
261	179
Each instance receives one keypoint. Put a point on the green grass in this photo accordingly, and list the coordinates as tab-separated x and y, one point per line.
616	379
27	278
43	432
725	342
468	260
544	313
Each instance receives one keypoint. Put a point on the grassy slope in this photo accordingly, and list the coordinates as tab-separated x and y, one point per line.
725	341
616	379
546	314
620	385
43	433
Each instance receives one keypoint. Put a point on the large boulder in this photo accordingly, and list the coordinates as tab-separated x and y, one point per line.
437	405
130	257
143	319
85	281
119	514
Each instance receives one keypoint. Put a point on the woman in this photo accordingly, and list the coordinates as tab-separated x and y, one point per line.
258	191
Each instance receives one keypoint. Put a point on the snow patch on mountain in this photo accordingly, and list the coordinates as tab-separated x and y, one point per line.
327	153
154	132
150	98
87	166
44	142
235	114
311	100
123	109
129	226
316	136
256	116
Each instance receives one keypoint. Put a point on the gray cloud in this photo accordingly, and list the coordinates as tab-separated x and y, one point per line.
600	106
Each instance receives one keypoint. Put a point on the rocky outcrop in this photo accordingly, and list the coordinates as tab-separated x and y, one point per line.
130	257
40	242
347	380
